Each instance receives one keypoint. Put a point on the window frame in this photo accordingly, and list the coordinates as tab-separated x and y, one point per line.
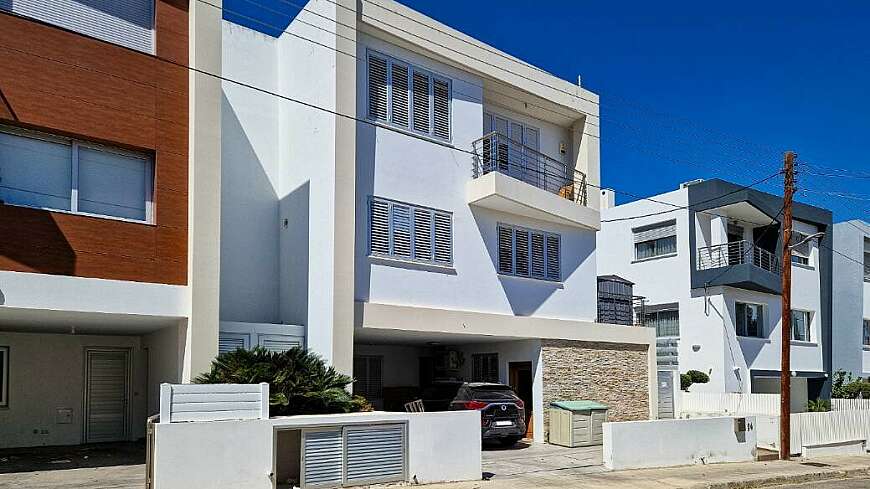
74	145
797	257
762	320
656	313
413	234
412	69
513	272
865	333
656	242
367	380
486	360
4	377
808	316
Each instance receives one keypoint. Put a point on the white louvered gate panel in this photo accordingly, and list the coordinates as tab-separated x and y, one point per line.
107	396
399	114
322	458
420	102
228	342
279	343
375	454
441	109
377	87
128	23
443	238
649	233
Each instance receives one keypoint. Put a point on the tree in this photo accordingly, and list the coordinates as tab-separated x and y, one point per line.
299	381
693	377
845	386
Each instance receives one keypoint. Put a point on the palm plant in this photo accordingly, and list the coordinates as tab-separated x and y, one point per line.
299	381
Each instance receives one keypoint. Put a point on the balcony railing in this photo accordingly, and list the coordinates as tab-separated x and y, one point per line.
496	152
737	253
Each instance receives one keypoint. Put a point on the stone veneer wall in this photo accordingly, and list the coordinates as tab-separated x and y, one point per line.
615	374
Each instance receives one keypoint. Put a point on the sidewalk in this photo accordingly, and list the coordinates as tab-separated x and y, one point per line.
716	476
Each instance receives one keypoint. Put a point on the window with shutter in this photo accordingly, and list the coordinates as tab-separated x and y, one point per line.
410	232
378	93
420	102
484	367
233	341
408	97
367	370
528	253
399	95
654	240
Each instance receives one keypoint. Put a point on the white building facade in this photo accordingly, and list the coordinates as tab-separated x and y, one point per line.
412	204
706	260
852	298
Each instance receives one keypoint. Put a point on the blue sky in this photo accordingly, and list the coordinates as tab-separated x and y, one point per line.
694	89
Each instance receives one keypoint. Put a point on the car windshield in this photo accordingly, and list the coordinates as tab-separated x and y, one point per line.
493	392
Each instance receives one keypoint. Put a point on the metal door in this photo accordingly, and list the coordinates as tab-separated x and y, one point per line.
666	394
107	394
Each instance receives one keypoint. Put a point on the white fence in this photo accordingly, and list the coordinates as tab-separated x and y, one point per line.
835	427
732	404
213	402
850	404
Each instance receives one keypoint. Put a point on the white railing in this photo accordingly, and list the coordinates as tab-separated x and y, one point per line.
737	253
811	429
213	402
704	403
850	404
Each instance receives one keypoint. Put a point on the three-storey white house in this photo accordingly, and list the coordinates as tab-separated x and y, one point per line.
414	205
706	257
851	345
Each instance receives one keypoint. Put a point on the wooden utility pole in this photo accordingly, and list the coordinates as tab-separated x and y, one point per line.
785	367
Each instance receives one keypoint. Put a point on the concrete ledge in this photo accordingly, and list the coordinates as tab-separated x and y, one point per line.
507	194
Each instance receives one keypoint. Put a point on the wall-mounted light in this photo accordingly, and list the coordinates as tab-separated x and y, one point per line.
563	148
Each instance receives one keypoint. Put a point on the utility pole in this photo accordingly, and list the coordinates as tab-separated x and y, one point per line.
785	367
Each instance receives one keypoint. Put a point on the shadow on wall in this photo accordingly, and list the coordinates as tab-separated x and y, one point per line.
295	212
734	350
366	143
249	228
527	295
33	242
138	13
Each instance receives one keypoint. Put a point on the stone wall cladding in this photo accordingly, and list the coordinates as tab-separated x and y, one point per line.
615	374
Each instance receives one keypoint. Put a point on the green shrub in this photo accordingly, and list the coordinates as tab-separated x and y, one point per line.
845	386
818	406
693	377
299	381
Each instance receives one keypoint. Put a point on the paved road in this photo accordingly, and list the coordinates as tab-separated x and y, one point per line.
831	484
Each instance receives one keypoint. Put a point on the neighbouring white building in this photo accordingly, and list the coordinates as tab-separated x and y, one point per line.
412	204
851	345
707	262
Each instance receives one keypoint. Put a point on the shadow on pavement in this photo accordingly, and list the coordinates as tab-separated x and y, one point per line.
35	459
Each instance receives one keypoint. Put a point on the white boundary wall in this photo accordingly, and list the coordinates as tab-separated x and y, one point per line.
672	442
733	404
442	446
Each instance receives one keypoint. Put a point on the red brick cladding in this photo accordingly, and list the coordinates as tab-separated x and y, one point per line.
66	83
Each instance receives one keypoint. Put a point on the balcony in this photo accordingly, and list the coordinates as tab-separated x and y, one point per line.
510	177
737	253
739	264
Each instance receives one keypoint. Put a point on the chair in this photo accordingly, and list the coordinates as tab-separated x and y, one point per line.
415	406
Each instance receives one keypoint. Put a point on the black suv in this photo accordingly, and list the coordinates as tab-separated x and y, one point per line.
502	413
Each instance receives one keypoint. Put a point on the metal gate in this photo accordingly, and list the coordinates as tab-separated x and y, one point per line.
666	394
107	394
354	455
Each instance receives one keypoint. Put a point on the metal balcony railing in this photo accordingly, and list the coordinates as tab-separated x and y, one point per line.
737	253
496	152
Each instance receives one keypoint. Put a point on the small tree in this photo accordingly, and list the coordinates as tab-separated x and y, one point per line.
693	377
845	386
299	381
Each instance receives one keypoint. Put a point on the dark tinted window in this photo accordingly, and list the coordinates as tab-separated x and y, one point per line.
492	392
441	391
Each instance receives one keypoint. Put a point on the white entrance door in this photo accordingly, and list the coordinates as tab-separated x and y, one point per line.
107	390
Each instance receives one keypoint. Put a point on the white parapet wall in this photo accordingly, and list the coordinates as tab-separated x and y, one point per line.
673	442
441	447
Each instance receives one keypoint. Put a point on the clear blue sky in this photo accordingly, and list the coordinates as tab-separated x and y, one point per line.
693	89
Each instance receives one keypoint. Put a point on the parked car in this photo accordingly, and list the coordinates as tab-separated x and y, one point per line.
502	412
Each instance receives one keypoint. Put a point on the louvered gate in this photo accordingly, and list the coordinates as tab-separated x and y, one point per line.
354	455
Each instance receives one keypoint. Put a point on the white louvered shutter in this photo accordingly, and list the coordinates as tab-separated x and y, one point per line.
554	266
128	23
380	227
375	454
441	108
422	234
421	86
521	252
505	250
322	458
537	253
443	237
233	341
400	216
657	231
278	342
399	94
377	87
